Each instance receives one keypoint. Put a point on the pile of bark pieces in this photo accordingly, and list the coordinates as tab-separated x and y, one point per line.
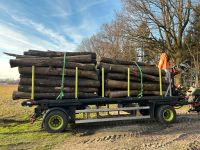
48	74
116	78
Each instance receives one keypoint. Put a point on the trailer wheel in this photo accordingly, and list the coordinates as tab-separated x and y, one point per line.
166	114
55	121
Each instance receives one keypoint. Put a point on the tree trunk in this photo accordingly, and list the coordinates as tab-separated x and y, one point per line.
122	62
58	63
49	60
120	76
178	78
53	96
124	77
196	65
121	69
38	89
114	84
58	72
39	53
69	82
150	70
115	94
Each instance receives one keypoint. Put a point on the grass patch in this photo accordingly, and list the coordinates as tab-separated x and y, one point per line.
28	136
15	130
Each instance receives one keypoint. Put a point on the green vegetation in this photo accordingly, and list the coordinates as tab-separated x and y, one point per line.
15	130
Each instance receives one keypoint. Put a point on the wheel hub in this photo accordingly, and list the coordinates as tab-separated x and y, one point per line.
168	115
55	122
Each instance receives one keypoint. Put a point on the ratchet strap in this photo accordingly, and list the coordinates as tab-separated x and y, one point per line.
61	95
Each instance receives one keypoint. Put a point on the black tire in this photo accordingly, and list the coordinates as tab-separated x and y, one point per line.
55	121
166	114
144	112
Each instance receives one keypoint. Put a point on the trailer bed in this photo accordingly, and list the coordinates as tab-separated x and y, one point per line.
103	100
160	108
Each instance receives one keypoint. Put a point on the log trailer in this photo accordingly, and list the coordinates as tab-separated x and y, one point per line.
59	113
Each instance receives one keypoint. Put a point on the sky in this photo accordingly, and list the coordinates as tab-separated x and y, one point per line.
58	25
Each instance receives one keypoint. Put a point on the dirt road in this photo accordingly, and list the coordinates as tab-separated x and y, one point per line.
143	134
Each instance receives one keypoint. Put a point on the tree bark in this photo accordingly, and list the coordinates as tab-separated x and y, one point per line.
58	72
122	62
40	60
178	78
120	76
39	89
56	54
116	94
150	70
69	82
114	84
124	77
53	96
121	69
58	63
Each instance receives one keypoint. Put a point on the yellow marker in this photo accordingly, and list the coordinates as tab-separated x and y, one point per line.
128	82
102	81
33	83
160	79
76	84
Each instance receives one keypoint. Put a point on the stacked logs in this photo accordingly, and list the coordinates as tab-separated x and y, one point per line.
48	74
116	78
49	70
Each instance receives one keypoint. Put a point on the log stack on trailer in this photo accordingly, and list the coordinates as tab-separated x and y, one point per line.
51	74
125	78
46	77
48	73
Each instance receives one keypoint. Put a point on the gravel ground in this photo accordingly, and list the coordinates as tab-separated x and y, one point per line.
141	134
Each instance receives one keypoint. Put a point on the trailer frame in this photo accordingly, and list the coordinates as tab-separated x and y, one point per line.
156	105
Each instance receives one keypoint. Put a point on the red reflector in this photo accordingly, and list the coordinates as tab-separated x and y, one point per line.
195	105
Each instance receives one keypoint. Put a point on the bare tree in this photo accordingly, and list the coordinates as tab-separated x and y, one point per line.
192	43
167	21
110	42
